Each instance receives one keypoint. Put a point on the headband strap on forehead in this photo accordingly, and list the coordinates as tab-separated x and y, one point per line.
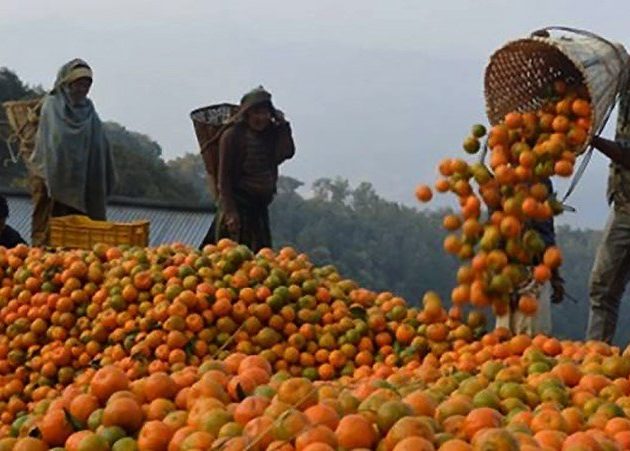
78	72
255	97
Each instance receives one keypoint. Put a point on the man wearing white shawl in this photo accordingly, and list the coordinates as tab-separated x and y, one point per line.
71	166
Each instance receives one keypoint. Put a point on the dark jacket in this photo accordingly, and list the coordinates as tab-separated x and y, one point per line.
234	151
9	237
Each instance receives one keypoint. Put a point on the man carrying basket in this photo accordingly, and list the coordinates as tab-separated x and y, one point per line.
611	269
257	140
603	66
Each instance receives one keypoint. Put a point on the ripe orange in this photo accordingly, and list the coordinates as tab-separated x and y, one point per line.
528	305
561	124
423	193
563	168
451	222
442	185
355	431
552	257
581	107
481	418
542	273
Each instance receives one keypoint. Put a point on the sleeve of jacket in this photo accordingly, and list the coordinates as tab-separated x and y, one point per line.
546	230
285	147
227	163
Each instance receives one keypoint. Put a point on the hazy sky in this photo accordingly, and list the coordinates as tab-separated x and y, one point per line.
375	90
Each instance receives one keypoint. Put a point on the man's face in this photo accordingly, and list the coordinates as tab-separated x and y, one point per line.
259	117
79	89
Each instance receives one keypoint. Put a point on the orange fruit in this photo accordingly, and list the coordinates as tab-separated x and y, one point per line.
528	305
124	412
319	434
355	431
542	273
561	124
323	414
480	418
423	193
154	435
513	120
414	444
581	107
107	381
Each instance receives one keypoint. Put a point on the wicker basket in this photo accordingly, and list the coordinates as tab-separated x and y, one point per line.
23	118
208	121
519	74
76	231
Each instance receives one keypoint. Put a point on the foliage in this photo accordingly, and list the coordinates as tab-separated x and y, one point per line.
143	173
386	246
190	168
380	243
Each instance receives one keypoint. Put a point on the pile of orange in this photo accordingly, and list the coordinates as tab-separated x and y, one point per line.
502	200
171	348
160	310
502	392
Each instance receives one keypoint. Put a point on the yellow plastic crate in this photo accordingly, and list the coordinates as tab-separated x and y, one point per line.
78	231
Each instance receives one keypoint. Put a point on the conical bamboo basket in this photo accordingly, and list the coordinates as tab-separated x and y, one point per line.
520	73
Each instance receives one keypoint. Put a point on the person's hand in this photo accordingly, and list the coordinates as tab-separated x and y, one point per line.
557	287
541	34
280	117
232	222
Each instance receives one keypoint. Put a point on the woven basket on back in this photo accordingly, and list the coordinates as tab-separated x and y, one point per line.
208	123
520	73
23	118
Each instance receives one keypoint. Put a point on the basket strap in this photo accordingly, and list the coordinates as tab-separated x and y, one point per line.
579	173
484	152
579	31
13	155
204	146
37	106
16	136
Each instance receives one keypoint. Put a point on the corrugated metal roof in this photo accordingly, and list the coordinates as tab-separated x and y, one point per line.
20	215
167	225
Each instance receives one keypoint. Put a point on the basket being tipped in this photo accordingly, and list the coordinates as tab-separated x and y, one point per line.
520	74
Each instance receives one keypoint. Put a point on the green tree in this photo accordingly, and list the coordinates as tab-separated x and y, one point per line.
143	173
386	246
381	244
190	168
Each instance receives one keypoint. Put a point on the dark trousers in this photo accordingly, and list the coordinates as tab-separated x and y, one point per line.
254	231
609	277
44	208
